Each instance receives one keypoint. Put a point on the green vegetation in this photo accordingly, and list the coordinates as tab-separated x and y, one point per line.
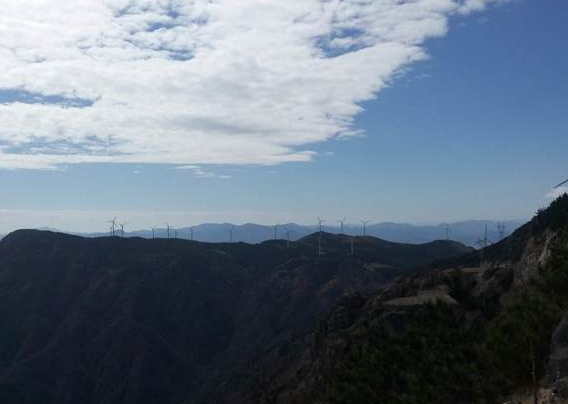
518	339
434	360
555	216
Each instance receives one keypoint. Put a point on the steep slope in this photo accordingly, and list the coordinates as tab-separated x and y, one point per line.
113	320
474	329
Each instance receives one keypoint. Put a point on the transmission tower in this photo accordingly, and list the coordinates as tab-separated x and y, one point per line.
484	242
288	233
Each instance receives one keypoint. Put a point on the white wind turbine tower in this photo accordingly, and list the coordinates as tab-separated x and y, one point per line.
276	231
342	222
113	226
365	223
168	227
321	222
122	229
153	233
231	230
352	242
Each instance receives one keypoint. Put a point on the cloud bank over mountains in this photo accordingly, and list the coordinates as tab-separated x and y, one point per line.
196	82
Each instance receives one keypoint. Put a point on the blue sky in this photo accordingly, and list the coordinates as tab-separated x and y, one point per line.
475	131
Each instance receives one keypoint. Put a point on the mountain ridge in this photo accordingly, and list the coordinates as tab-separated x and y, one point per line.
467	232
136	321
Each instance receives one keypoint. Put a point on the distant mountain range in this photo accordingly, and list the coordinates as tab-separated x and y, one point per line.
466	232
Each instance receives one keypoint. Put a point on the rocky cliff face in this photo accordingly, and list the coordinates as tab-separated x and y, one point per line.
559	356
460	331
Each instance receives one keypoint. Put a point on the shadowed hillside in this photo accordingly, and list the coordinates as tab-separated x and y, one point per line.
112	320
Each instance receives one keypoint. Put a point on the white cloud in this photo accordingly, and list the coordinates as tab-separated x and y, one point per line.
469	6
195	82
200	172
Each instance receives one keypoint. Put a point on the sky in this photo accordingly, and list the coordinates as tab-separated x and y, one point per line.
265	111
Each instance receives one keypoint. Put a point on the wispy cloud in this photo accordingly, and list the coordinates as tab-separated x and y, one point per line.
200	172
198	82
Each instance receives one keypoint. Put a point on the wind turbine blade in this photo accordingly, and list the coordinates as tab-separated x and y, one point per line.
562	183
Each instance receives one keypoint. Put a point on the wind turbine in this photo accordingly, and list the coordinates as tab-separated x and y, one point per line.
275	231
231	230
342	221
321	222
122	229
352	241
113	226
365	222
448	231
153	233
168	227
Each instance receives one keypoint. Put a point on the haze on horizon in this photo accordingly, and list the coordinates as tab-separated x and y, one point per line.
184	112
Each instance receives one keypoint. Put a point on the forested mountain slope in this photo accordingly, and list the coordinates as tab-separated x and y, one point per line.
113	320
475	329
